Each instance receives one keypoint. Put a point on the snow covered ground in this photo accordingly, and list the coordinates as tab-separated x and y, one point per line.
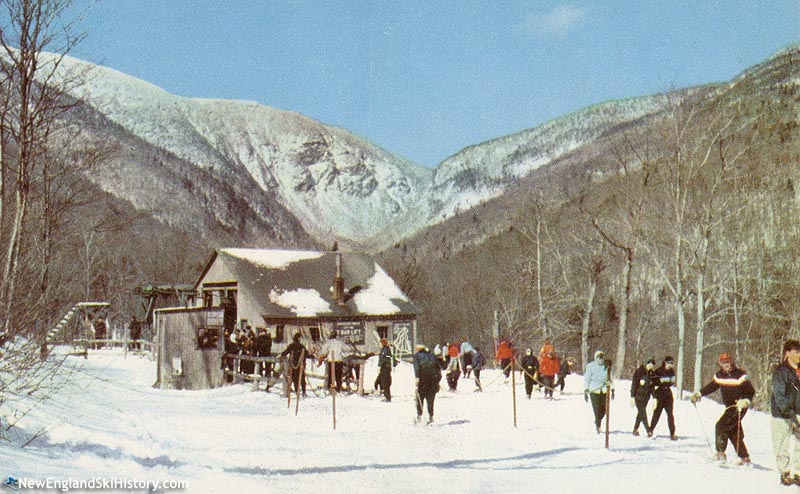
107	422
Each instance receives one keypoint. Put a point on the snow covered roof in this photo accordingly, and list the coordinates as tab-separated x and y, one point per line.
296	283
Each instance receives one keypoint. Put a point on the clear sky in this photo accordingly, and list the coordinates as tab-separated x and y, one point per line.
424	79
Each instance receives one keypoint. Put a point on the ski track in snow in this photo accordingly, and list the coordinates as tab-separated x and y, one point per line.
108	421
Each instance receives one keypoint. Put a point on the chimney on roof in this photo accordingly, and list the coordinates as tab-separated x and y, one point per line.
338	281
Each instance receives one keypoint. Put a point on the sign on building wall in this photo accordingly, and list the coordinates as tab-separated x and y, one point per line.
401	332
350	330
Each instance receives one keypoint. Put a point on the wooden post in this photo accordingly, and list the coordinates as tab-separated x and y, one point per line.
300	376
257	376
514	388
287	374
333	390
361	367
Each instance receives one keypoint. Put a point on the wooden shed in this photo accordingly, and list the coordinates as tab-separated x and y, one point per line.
285	292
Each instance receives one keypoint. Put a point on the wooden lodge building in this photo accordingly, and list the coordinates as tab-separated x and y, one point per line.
285	292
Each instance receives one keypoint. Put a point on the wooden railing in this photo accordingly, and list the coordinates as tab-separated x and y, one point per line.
128	345
235	361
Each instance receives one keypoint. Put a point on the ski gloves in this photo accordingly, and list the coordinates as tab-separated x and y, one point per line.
741	404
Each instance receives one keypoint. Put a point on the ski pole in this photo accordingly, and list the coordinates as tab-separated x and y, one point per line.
514	389
703	427
608	401
739	431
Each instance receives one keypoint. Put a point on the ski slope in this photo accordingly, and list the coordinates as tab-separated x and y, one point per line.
107	422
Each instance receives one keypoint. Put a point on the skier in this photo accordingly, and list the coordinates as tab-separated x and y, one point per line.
737	391
428	374
548	368
264	349
641	388
504	355
385	363
478	361
530	369
597	385
785	404
665	379
453	374
563	371
296	366
466	356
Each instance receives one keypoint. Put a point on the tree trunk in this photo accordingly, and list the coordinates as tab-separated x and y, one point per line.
622	331
587	318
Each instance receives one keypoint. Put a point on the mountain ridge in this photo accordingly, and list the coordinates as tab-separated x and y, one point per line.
334	184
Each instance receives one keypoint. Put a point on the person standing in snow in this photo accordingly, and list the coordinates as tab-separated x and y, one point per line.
737	391
297	372
264	349
427	375
530	369
333	351
785	405
442	356
466	356
563	371
596	386
478	361
453	372
641	388
504	355
385	364
548	368
665	379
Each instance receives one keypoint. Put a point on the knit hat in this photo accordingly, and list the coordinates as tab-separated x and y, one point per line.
725	357
652	361
669	360
599	354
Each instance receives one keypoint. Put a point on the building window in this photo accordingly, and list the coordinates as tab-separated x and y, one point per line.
208	338
279	330
383	332
315	336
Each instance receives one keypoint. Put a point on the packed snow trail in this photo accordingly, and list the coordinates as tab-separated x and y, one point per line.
108	421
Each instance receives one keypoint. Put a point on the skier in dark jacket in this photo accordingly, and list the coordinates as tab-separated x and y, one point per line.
478	362
428	374
665	379
785	404
296	363
642	385
264	349
385	364
563	371
737	391
530	369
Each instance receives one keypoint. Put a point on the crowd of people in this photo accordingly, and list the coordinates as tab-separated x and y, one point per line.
547	373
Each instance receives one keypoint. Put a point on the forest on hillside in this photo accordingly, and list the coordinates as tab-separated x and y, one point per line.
677	237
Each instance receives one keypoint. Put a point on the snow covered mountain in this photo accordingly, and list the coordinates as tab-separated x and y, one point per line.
338	185
298	177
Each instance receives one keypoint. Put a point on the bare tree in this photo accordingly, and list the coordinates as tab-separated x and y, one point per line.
35	90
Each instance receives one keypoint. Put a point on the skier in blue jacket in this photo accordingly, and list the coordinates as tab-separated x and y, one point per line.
596	385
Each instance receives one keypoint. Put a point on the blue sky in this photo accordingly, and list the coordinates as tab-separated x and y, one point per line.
424	79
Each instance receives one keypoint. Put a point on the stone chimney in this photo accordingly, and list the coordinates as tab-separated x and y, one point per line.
338	281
